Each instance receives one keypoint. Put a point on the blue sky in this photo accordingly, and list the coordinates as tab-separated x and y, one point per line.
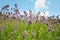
52	6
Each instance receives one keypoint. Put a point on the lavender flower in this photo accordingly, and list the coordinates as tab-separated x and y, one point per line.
15	5
32	33
29	22
15	26
25	34
51	28
5	7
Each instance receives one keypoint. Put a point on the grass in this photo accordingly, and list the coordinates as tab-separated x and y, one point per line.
10	32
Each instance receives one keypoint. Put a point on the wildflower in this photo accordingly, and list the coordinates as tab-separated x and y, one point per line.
25	13
15	5
32	33
29	22
15	26
25	34
6	6
51	28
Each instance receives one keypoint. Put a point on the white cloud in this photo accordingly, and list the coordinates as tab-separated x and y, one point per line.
27	11
21	13
45	15
40	4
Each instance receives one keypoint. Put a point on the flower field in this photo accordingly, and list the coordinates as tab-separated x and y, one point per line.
20	30
31	20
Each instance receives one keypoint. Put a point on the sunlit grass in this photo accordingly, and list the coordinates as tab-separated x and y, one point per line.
9	32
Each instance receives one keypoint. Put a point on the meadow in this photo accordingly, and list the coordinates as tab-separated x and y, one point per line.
20	30
29	26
